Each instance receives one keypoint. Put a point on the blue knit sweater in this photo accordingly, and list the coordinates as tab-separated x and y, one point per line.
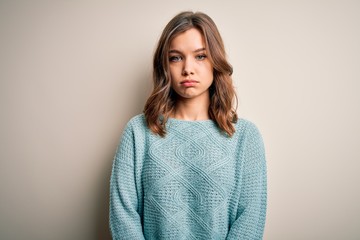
195	183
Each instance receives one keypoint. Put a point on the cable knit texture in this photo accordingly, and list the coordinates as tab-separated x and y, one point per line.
195	183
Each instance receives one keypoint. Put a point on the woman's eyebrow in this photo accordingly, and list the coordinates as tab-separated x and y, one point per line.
200	49
177	51
174	51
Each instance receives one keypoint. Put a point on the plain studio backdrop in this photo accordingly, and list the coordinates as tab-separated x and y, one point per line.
74	72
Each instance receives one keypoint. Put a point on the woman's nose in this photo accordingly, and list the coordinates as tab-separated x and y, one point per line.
188	67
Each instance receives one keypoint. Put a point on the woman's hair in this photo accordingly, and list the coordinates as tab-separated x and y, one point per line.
161	102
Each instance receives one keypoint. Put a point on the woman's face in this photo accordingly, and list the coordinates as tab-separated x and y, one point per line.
190	69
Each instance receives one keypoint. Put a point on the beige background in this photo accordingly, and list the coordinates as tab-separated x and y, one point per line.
74	72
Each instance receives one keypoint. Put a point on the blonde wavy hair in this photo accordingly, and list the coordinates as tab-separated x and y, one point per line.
161	102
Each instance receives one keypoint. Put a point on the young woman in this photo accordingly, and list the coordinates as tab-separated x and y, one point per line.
188	168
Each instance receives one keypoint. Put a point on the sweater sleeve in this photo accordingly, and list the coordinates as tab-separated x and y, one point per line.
251	212
125	220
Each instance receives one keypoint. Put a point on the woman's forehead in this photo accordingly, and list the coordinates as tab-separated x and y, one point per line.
190	40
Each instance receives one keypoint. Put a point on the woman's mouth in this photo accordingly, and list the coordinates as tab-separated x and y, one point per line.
189	83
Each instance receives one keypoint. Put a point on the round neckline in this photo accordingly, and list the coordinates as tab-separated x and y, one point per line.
177	120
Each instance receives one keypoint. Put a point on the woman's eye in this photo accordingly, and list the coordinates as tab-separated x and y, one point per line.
175	59
201	57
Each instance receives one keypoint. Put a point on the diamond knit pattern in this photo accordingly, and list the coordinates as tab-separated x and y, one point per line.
195	183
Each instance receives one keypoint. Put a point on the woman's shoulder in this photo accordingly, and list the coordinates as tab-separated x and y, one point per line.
136	123
137	119
247	127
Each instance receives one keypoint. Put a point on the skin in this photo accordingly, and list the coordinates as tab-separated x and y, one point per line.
191	75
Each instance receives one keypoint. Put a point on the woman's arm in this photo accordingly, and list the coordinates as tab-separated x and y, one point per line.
251	213
125	220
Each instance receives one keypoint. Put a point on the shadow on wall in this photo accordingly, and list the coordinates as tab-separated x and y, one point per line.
142	88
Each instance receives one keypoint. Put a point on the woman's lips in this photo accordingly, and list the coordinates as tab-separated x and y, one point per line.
189	83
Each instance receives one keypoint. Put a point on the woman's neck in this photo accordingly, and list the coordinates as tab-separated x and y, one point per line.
192	109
